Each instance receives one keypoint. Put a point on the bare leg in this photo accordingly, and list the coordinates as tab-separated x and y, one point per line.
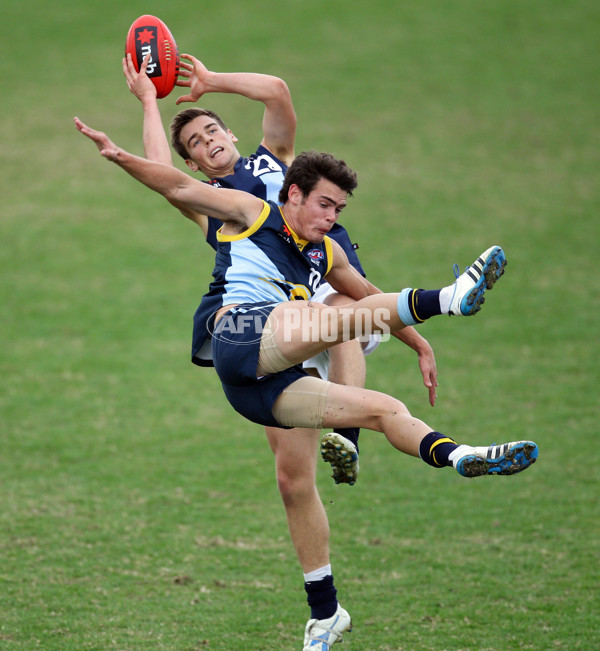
347	366
347	362
347	406
295	463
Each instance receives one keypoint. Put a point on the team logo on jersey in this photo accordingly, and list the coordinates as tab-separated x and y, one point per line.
315	255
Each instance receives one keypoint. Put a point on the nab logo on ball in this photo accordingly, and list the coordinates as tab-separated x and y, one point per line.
146	44
149	37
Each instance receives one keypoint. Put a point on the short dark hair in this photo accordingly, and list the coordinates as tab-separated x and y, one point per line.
310	166
181	119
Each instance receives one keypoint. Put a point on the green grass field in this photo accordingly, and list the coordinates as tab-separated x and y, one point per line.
137	510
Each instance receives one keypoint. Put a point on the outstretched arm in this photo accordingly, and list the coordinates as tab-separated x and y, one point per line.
238	209
279	120
344	278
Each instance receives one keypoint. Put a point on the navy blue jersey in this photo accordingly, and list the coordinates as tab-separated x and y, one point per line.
262	174
340	235
265	263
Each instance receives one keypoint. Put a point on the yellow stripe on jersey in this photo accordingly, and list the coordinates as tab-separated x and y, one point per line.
300	243
297	291
329	251
249	231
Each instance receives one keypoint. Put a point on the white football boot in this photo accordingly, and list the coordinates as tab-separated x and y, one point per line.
505	459
471	285
322	634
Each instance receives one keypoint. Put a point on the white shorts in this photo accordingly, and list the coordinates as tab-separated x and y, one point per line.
320	362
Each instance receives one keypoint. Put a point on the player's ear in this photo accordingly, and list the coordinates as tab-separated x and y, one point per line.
232	136
295	195
190	163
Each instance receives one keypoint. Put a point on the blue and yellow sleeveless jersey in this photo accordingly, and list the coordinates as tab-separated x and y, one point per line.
262	174
265	263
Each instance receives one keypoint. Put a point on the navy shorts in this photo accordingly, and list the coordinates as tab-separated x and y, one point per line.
235	349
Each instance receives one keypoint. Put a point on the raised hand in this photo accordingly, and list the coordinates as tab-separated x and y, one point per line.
195	77
138	82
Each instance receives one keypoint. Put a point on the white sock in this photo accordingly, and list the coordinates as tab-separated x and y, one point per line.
317	575
446	296
460	451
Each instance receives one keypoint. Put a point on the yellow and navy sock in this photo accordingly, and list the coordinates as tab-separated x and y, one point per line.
425	303
418	305
435	448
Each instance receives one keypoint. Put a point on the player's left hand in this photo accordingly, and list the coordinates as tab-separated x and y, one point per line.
195	75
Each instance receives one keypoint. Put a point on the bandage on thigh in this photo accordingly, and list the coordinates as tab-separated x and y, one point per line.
302	403
270	358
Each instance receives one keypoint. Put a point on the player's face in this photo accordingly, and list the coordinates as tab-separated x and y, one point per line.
211	149
320	210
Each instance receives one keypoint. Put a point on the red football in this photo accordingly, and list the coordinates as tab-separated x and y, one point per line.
149	35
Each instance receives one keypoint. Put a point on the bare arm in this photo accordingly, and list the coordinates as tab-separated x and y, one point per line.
344	278
279	120
239	209
156	144
427	365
